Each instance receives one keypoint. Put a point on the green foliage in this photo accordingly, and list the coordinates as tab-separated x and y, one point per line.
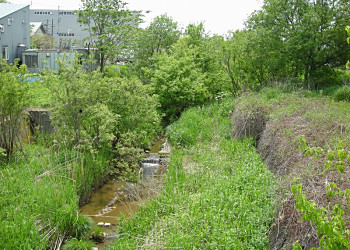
218	193
97	234
96	119
91	111
75	244
189	129
348	41
13	100
116	70
95	113
158	37
178	80
188	74
127	156
40	196
342	94
111	26
42	41
38	94
306	42
238	60
331	223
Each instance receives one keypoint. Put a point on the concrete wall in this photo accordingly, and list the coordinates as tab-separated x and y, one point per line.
40	119
47	59
62	25
16	31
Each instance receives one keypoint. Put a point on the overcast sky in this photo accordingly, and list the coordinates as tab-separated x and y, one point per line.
218	16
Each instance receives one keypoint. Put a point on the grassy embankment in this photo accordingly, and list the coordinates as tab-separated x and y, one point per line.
101	126
39	199
277	119
218	193
41	188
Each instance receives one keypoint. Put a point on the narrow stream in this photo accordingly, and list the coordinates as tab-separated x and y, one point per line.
116	198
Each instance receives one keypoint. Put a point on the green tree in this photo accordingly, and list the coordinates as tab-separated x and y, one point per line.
111	27
302	38
206	51
235	58
13	101
93	110
42	41
157	37
178	80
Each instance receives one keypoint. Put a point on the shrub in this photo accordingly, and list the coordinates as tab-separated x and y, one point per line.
91	110
13	100
218	193
342	94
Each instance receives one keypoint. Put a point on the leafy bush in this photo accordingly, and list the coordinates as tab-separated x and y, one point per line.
116	70
13	100
331	222
91	111
342	94
218	194
178	80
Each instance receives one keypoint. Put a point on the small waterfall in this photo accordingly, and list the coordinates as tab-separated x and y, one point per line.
150	166
115	198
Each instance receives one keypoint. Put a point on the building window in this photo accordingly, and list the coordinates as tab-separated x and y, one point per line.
31	61
65	34
5	53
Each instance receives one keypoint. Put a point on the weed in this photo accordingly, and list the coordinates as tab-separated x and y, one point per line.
39	197
75	244
342	94
218	193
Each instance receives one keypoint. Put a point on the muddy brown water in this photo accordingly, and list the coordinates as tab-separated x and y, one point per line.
115	198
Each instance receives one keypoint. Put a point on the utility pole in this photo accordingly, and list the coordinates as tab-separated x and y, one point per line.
58	20
47	26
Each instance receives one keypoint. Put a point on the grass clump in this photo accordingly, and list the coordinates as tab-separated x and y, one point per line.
324	124
342	94
75	244
218	193
40	196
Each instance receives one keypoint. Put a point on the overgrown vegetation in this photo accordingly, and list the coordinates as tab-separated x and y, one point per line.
331	222
323	123
12	103
40	196
218	193
101	126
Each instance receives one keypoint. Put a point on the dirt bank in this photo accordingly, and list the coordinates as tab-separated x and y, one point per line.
276	121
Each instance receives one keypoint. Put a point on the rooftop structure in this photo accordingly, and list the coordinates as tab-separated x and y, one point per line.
62	25
14	30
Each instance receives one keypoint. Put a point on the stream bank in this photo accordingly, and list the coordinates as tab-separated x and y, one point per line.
218	193
115	198
280	121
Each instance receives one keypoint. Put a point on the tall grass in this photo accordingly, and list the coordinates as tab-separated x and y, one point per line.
39	196
218	192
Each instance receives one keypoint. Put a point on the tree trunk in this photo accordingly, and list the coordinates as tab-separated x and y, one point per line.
102	62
